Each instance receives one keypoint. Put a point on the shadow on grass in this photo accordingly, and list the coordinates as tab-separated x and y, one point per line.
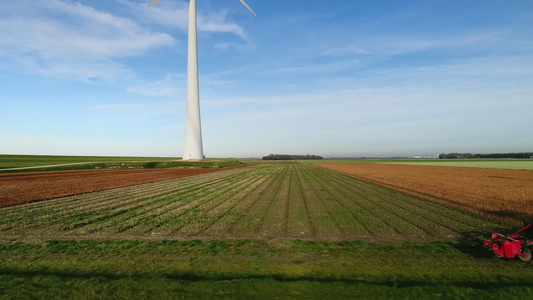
471	242
507	282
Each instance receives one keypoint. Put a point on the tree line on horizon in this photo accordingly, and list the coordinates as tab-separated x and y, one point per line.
490	155
290	157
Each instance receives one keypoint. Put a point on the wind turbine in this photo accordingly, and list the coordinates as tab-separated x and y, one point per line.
193	149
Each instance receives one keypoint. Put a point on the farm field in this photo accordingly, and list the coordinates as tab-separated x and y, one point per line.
507	164
501	194
266	231
267	201
24	187
485	163
24	161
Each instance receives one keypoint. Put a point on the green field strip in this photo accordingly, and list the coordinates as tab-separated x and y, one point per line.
433	218
224	216
270	217
451	218
447	202
177	217
299	224
349	217
350	198
16	161
418	205
250	223
241	202
329	204
216	209
324	223
318	180
286	194
263	201
62	214
378	201
181	216
403	221
146	219
21	219
487	163
127	206
218	215
64	204
274	221
247	210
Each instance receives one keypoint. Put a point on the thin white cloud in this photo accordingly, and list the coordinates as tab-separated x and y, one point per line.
70	40
115	106
346	50
391	45
171	86
176	15
216	22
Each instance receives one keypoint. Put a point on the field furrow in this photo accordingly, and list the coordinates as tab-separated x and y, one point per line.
251	223
299	224
403	221
426	216
241	218
274	220
213	210
348	216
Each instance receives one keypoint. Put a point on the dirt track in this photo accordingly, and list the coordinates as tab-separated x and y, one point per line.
23	187
503	194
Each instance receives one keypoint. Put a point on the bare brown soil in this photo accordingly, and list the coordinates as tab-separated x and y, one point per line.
24	187
503	194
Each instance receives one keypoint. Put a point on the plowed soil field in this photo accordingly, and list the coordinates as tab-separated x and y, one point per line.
503	194
24	187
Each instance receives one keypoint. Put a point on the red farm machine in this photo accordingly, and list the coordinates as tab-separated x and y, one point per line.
513	245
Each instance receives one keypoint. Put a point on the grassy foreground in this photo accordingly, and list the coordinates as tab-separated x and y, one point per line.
251	269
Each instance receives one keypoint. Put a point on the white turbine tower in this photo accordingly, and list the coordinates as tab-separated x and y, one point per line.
193	148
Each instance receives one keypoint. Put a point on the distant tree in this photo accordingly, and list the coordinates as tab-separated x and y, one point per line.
489	155
290	157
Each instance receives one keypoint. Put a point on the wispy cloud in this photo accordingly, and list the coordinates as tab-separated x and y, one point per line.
115	106
380	44
216	22
70	40
175	14
172	86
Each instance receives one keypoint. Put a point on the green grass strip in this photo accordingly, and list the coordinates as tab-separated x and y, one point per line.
257	269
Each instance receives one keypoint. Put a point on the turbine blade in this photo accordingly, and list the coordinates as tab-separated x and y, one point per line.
244	3
154	2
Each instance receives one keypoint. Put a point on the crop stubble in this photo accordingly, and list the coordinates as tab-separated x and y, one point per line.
268	201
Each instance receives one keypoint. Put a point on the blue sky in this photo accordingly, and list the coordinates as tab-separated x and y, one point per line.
332	78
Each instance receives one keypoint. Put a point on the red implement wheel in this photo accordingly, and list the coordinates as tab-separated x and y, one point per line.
527	256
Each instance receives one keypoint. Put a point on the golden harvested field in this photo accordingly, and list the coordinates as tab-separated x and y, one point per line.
503	194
